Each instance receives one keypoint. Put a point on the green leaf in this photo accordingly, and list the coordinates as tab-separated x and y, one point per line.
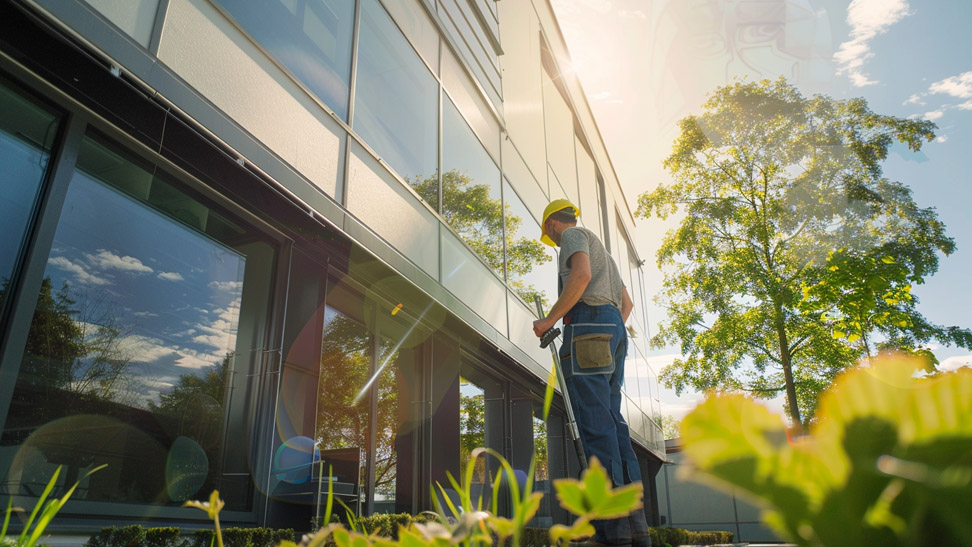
593	496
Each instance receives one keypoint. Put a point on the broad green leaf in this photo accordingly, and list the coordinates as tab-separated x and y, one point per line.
592	495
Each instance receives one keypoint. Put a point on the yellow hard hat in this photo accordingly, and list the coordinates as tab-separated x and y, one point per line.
553	207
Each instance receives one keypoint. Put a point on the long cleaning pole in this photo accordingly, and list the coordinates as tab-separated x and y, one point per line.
548	340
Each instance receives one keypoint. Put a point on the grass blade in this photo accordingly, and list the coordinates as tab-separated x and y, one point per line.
40	503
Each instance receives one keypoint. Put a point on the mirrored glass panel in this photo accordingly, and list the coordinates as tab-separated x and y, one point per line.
27	131
472	201
396	101
481	415
472	429
151	306
311	38
541	473
531	266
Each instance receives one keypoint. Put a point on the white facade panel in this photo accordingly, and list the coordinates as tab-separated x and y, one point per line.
384	204
238	79
472	282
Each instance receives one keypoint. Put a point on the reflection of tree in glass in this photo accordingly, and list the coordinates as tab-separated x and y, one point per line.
197	399
75	348
542	471
472	433
480	221
342	423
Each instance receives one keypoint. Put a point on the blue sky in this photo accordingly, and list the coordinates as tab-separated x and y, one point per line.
907	58
173	293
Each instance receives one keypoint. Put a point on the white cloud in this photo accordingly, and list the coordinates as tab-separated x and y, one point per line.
221	333
915	99
967	105
867	19
107	260
195	361
78	270
171	276
144	349
957	86
956	362
934	115
229	286
943	138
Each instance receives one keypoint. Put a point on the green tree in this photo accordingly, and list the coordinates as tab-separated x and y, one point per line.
670	427
483	223
781	192
343	416
472	433
74	347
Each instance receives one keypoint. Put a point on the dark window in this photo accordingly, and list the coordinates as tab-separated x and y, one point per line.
27	132
142	342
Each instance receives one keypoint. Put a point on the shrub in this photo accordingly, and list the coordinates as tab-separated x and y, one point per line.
887	463
243	537
386	525
164	537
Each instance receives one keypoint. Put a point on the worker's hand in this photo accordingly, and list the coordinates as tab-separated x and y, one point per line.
541	326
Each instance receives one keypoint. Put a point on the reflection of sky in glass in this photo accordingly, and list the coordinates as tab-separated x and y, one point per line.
544	276
174	294
22	126
396	97
23	170
313	40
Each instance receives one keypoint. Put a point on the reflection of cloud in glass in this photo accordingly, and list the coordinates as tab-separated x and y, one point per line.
79	271
106	260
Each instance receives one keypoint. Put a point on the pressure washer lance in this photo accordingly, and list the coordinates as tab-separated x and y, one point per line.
547	340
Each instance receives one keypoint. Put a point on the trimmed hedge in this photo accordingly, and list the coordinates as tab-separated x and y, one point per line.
385	525
138	536
678	536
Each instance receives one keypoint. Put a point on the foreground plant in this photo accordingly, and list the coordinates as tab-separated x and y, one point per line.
39	518
212	509
889	462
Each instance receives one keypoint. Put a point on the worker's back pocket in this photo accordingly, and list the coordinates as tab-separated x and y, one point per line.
592	350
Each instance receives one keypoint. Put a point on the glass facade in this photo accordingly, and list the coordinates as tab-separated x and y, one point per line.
136	340
190	330
472	200
396	102
27	132
311	38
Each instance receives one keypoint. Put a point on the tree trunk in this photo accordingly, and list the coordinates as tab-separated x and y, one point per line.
791	399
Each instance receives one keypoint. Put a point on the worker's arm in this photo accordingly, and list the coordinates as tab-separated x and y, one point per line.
626	305
580	276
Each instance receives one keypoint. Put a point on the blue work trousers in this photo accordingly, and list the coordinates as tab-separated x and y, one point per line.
592	357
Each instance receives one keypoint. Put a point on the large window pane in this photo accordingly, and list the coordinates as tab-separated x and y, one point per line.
142	325
368	367
396	100
481	407
541	473
312	38
27	132
531	267
472	202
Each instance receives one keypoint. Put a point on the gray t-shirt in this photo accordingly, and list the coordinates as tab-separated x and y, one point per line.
605	286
